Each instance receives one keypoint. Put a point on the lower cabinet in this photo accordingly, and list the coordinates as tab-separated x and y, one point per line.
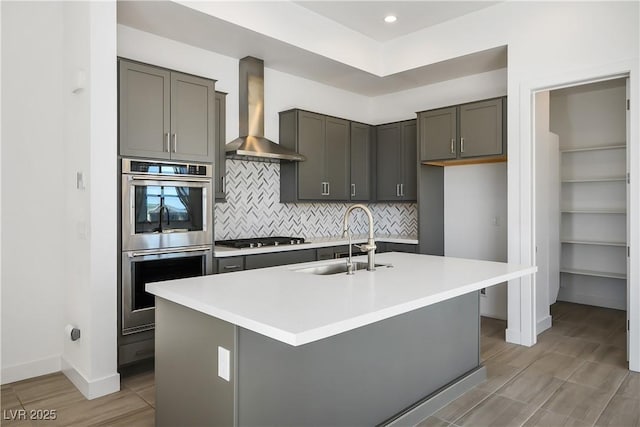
396	247
251	262
279	258
229	264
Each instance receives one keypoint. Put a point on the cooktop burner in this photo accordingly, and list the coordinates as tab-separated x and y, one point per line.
259	242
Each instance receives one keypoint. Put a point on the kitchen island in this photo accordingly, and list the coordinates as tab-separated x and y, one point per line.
286	346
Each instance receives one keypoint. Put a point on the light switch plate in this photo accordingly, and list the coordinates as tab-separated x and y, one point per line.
224	363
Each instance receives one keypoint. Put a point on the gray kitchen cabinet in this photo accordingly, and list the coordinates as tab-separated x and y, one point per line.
229	264
396	161
165	114
360	160
220	167
325	143
464	131
438	134
144	113
481	128
279	258
396	247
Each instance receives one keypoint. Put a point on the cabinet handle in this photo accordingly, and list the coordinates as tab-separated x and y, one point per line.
453	146
353	190
168	143
328	188
231	267
175	142
222	185
325	189
462	145
397	190
401	190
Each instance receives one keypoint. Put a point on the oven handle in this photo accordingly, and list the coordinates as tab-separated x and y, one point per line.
170	251
168	178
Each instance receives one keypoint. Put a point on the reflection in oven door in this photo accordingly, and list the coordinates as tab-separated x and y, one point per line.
166	205
142	267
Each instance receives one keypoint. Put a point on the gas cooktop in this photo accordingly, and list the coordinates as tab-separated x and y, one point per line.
259	242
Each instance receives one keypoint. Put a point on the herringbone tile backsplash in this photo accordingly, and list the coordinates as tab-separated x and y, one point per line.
253	209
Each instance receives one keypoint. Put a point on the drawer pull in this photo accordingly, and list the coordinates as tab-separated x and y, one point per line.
144	352
230	267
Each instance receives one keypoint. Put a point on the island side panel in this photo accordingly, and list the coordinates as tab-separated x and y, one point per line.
360	377
189	391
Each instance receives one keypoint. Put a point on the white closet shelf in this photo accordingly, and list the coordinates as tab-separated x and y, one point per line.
594	211
592	242
594	179
593	273
599	147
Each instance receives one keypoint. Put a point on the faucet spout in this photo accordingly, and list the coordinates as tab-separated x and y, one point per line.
370	246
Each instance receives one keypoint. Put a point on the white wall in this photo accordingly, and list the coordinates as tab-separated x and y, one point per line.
61	266
33	197
475	222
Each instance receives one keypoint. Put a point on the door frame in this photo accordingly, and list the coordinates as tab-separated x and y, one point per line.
521	326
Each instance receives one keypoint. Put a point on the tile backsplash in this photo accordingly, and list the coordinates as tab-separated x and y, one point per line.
253	209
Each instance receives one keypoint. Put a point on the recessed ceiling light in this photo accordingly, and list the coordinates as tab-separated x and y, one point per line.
390	18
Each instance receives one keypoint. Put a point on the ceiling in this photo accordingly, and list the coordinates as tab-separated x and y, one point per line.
259	29
367	17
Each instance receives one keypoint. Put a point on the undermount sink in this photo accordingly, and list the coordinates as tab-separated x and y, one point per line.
337	268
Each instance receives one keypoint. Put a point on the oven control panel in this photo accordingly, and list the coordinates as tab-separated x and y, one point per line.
165	168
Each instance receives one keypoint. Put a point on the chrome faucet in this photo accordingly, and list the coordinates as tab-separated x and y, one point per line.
369	247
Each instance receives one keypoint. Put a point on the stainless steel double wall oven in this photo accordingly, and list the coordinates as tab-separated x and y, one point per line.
167	231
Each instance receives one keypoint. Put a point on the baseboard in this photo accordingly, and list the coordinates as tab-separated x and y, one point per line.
31	369
543	324
438	399
91	389
598	301
512	336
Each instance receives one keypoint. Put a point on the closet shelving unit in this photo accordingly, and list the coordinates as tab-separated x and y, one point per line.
593	212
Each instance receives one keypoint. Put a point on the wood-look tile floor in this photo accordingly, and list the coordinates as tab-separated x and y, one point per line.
575	376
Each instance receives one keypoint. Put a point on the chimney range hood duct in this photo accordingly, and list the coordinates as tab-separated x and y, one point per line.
252	145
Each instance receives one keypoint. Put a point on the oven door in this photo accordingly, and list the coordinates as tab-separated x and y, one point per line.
166	212
142	267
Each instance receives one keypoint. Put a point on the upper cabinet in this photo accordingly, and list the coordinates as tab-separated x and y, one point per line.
165	114
461	132
361	162
396	162
324	141
220	168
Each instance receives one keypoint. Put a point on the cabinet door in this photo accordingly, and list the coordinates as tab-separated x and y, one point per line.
360	162
311	173
279	258
409	161
481	128
144	110
438	139
230	264
192	118
389	162
337	158
220	144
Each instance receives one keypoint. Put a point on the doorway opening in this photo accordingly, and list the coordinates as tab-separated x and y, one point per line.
582	226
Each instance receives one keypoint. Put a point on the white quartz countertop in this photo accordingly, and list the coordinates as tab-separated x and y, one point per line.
311	243
298	308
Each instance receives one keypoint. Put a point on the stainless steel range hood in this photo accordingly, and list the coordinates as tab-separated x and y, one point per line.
252	145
